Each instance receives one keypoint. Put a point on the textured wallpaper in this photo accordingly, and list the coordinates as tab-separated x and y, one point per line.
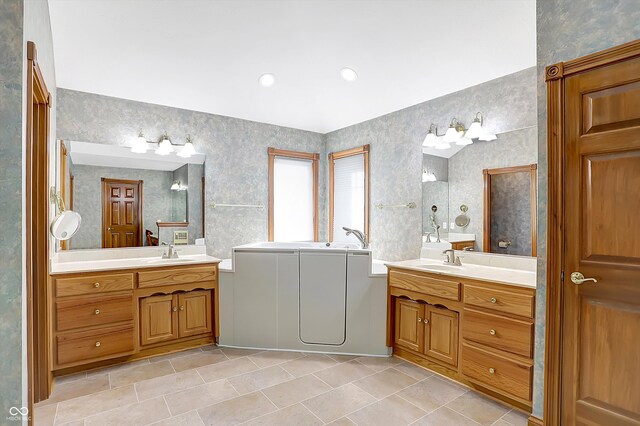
511	213
194	201
236	166
179	198
508	103
568	29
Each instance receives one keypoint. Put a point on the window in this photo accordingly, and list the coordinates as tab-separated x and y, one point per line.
293	195
348	193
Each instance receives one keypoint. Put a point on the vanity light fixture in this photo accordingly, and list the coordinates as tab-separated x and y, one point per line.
428	176
177	186
348	74
454	132
140	144
165	147
267	80
475	129
431	140
187	150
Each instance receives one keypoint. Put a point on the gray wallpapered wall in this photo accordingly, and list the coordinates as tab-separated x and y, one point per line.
194	201
511	213
508	103
568	29
236	166
179	198
435	193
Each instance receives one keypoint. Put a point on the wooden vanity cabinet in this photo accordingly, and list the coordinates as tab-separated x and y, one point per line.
158	319
409	331
194	316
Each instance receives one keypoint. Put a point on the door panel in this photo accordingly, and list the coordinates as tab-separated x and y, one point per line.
409	331
195	313
158	319
441	338
601	322
122	213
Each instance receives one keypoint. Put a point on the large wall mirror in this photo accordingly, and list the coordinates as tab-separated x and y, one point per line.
130	199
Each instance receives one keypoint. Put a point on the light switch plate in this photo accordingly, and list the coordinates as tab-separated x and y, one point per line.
444	225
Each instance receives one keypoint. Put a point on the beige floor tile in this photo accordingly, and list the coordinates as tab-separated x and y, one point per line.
198	360
432	393
233	353
259	379
151	388
516	418
139	373
141	413
77	388
308	364
414	371
344	373
385	383
378	363
295	415
444	416
237	410
269	358
343	358
296	390
501	422
339	402
44	415
223	370
70	378
175	355
342	422
200	396
79	408
118	367
478	408
389	411
187	419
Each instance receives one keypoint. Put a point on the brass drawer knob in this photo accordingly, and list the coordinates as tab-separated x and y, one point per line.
182	308
175	309
494	300
96	285
426	321
419	319
97	344
97	311
491	371
492	332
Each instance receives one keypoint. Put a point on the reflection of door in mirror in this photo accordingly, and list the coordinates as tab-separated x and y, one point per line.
121	213
510	210
64	170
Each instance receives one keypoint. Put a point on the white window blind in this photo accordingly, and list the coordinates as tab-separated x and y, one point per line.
292	199
348	196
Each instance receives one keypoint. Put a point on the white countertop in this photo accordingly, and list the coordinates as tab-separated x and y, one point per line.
516	275
133	258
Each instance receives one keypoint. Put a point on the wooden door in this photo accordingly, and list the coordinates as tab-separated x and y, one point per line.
441	334
409	332
195	313
158	319
121	213
601	322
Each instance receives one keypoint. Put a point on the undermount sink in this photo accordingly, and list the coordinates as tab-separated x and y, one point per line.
440	267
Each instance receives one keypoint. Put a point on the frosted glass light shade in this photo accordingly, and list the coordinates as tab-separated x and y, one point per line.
139	145
443	145
187	150
430	140
165	147
464	141
487	137
428	177
475	130
452	135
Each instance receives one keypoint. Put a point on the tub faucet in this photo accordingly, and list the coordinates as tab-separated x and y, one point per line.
359	235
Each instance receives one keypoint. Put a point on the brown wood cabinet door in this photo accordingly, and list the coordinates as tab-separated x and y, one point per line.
409	331
121	213
441	334
158	319
195	313
601	321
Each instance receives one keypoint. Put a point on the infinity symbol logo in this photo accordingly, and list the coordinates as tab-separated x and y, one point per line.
14	411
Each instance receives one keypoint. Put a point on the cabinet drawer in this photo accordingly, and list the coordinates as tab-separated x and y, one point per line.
171	276
501	373
94	345
93	284
439	287
511	302
499	332
89	311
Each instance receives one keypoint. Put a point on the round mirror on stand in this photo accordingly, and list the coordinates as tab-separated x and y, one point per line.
66	223
462	220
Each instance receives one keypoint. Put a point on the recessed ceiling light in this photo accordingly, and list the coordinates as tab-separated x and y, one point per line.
348	74
267	80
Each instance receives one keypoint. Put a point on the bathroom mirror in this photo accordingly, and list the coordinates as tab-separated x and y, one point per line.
130	199
454	182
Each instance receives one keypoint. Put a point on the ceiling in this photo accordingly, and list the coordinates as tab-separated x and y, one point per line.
207	55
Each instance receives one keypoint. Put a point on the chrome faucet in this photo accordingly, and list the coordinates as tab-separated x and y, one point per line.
359	235
452	259
171	252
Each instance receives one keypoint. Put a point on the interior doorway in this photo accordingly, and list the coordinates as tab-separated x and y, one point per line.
121	213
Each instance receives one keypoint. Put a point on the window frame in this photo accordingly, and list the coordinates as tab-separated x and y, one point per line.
314	157
333	156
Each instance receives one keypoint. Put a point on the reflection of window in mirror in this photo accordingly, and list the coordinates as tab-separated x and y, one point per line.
293	195
349	193
510	210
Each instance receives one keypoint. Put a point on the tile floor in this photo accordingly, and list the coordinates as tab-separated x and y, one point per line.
225	386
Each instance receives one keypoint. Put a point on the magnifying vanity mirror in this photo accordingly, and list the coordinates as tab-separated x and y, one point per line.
66	223
127	199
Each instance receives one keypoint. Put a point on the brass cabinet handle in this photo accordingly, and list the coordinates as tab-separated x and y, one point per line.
97	344
577	278
96	285
97	311
419	319
494	300
426	321
182	308
492	332
492	371
175	309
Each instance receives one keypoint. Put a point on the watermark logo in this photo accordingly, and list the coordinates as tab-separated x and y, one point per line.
16	414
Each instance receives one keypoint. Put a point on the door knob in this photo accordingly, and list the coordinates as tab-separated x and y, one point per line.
108	229
578	278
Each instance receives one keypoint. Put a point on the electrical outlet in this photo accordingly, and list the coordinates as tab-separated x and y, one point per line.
453	225
444	225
